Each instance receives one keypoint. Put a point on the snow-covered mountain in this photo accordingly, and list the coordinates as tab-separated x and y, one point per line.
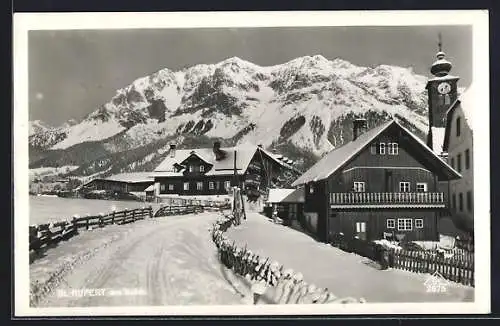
37	126
308	102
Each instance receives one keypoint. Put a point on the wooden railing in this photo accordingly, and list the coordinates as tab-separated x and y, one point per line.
374	198
44	235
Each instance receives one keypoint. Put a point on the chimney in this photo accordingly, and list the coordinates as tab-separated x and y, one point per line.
358	127
172	150
260	145
219	154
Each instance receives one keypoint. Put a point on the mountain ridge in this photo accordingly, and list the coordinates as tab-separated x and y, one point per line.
307	103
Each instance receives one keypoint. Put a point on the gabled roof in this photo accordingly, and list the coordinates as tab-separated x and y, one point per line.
340	156
131	177
465	101
225	166
286	195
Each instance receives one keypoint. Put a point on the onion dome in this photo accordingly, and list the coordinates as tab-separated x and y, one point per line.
441	67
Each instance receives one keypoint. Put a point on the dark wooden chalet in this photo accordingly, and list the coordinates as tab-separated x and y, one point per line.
213	171
384	183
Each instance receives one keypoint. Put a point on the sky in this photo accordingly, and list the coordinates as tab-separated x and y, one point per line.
72	72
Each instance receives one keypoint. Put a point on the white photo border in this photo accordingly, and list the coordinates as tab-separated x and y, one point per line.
478	19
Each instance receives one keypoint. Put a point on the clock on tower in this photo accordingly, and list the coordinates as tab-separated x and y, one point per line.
442	91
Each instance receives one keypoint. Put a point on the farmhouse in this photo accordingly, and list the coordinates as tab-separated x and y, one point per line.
458	143
213	171
385	181
123	182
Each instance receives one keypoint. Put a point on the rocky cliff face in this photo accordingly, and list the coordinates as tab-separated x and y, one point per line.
303	106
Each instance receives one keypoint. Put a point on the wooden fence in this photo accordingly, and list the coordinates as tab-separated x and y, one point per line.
45	235
192	207
458	268
277	285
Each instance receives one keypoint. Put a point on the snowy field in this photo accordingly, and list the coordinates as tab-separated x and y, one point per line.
344	274
161	261
50	209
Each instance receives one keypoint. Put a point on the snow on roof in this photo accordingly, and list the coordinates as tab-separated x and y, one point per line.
341	155
467	104
286	195
438	139
244	154
150	188
132	177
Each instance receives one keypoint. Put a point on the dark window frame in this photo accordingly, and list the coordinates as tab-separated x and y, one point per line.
459	163
470	199
458	126
461	202
467	159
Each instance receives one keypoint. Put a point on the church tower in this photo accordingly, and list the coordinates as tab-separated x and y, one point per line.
442	92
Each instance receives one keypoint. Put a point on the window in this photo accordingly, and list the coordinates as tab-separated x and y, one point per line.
469	201
419	223
458	126
460	201
227	184
162	187
459	162
467	159
190	168
211	185
392	149
202	168
452	162
199	185
217	185
404	186
311	189
360	227
382	148
421	187
170	187
391	223
359	186
373	149
186	185
454	201
404	224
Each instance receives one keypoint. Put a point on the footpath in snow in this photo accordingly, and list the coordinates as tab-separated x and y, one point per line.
344	274
159	261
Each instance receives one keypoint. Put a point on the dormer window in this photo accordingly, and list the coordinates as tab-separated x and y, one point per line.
458	127
191	168
373	149
202	168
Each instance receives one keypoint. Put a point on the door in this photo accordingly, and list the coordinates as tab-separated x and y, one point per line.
361	230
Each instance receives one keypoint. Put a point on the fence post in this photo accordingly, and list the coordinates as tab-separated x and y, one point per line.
101	219
75	225
150	211
88	221
133	215
113	216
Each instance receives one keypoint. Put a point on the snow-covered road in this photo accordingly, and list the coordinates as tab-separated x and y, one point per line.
163	261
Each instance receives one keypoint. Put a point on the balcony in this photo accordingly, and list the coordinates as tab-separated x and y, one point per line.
388	199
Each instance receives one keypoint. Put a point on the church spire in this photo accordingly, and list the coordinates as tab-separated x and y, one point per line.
441	67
